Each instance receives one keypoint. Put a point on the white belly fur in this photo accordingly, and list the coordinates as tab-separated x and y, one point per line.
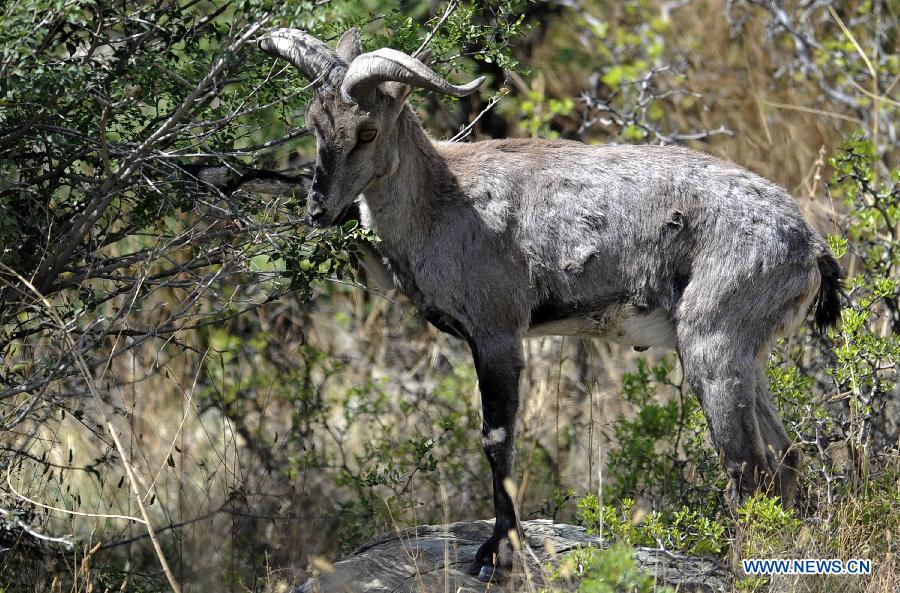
618	323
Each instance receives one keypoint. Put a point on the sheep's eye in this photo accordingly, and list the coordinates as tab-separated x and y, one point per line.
367	135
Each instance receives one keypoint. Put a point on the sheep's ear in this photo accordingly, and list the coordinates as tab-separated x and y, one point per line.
397	91
349	46
424	56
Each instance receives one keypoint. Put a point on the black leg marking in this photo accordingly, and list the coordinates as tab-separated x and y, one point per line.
498	362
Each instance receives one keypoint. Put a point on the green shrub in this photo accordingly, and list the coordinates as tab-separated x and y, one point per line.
612	570
683	530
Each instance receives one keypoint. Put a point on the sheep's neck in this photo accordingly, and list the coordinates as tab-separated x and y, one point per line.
404	204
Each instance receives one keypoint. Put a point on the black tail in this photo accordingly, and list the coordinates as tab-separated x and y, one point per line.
828	304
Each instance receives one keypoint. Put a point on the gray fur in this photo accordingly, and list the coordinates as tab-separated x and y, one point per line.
647	245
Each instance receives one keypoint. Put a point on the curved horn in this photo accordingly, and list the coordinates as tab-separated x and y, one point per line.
312	57
371	69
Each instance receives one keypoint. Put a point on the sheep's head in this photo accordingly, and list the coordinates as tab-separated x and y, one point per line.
359	97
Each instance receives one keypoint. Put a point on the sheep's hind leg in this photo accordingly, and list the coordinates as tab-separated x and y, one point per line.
498	363
724	377
727	317
783	457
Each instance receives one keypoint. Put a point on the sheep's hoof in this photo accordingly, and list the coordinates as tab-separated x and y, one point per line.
492	558
475	566
489	573
486	572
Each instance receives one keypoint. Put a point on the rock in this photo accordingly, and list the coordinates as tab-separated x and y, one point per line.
434	558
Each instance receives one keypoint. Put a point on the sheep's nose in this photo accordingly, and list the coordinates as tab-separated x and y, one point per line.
315	210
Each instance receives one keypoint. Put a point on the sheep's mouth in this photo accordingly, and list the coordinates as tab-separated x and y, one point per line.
317	220
322	219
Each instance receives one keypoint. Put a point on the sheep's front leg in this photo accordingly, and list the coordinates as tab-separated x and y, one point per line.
498	362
